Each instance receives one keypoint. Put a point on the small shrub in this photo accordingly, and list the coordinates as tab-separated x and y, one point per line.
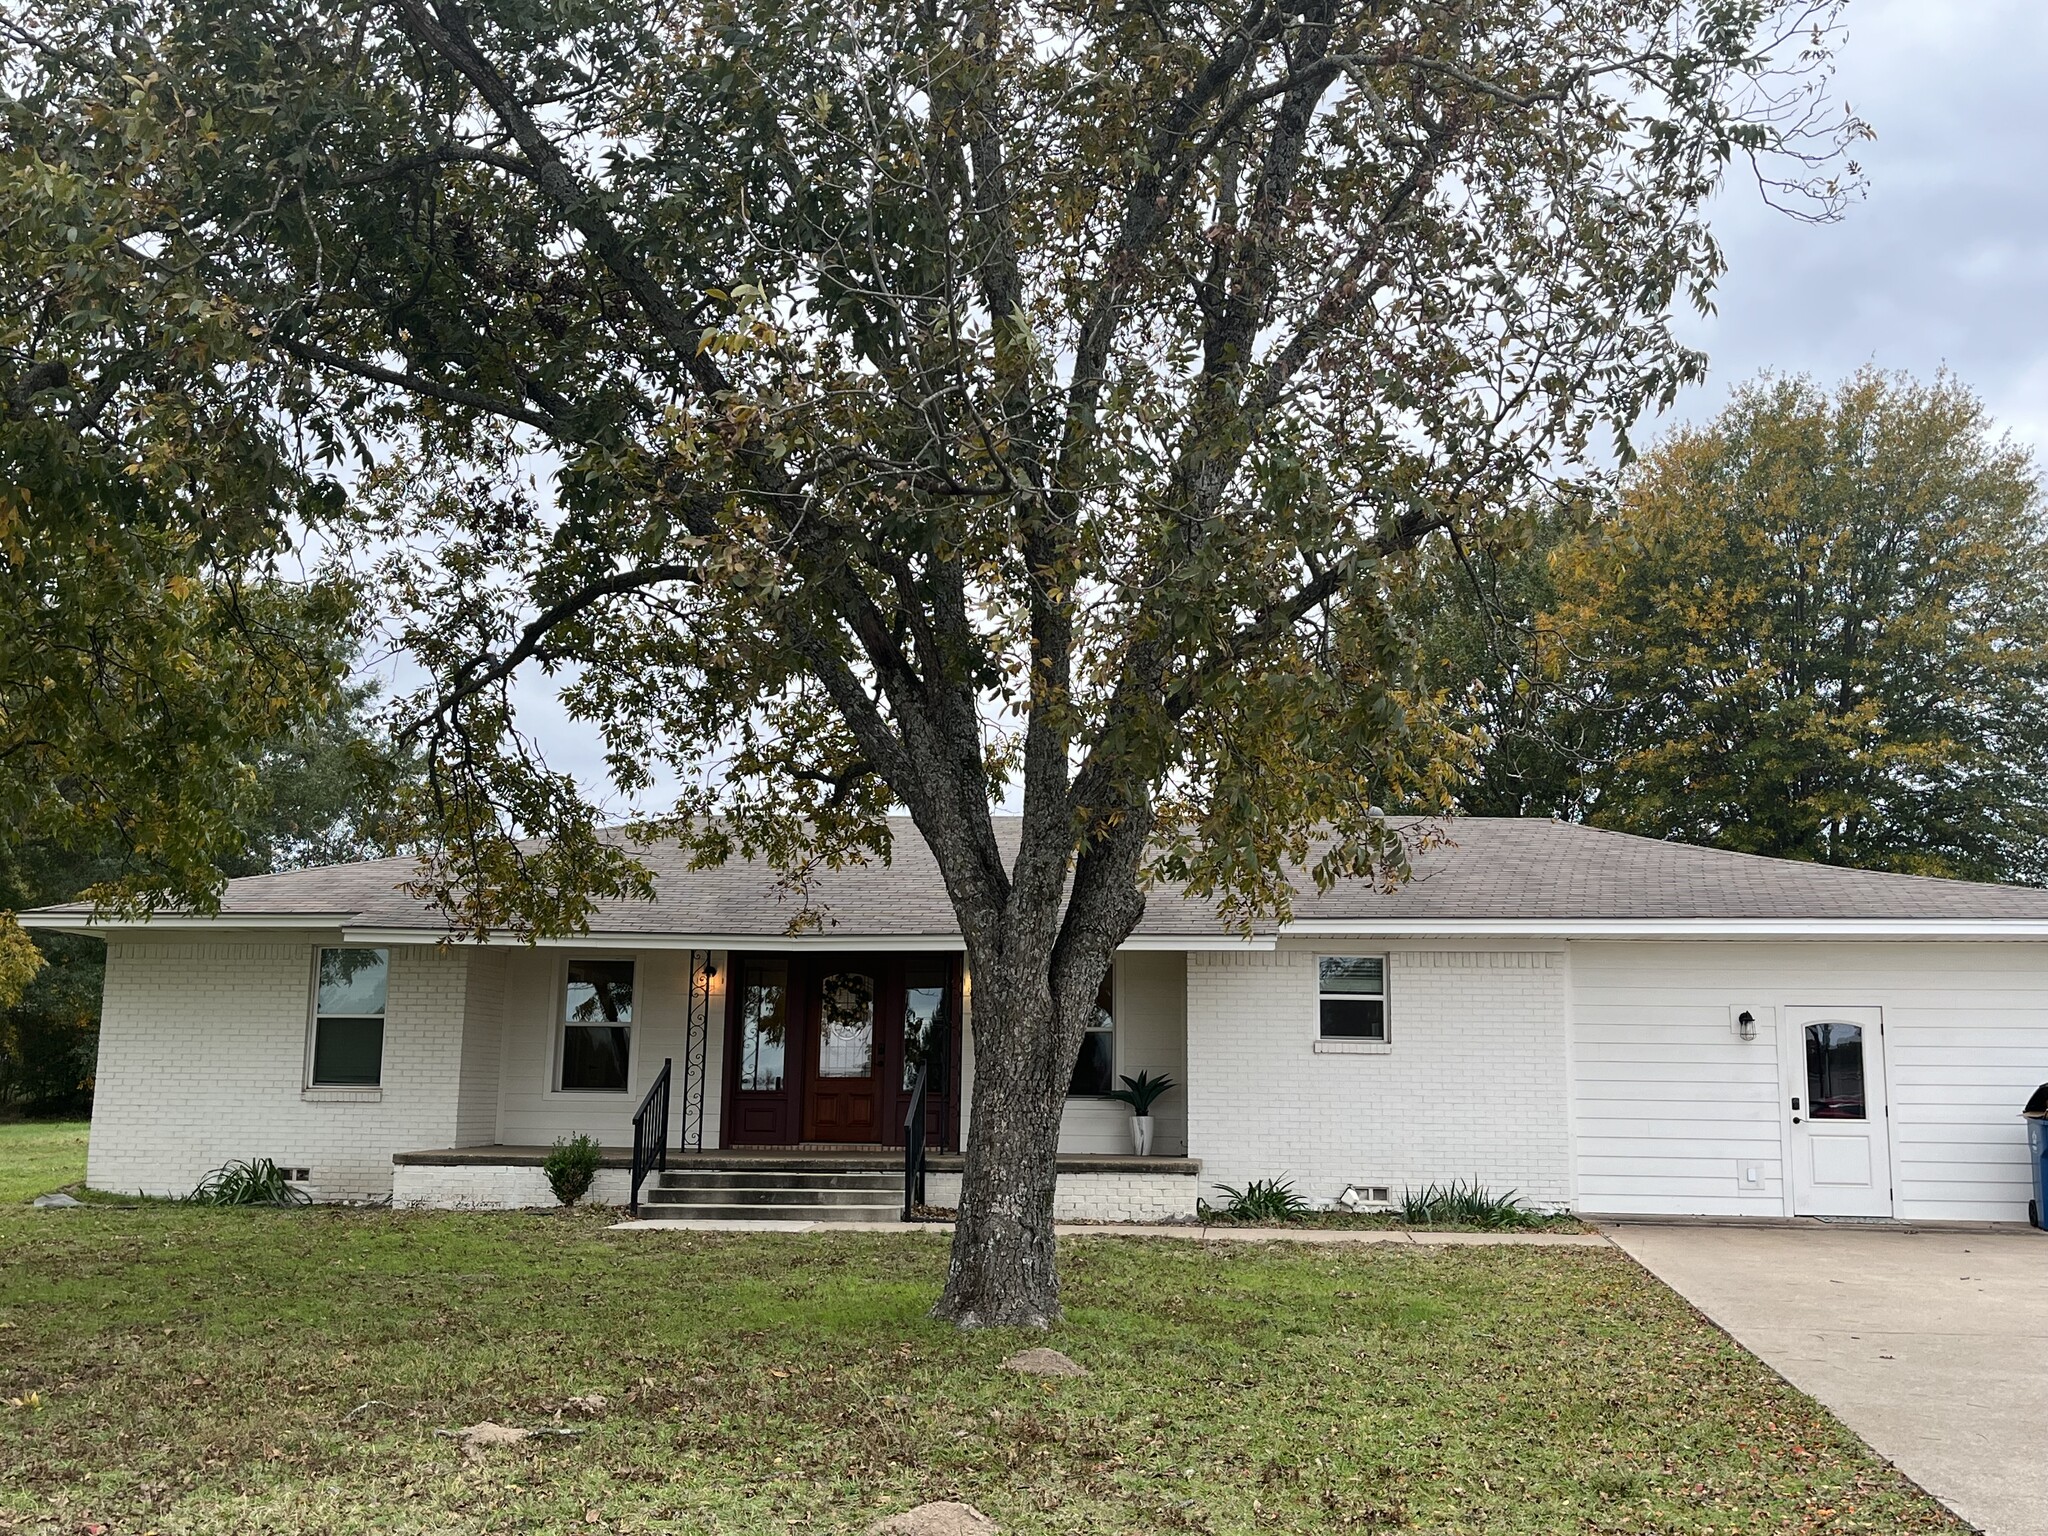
256	1181
1263	1200
1458	1204
572	1167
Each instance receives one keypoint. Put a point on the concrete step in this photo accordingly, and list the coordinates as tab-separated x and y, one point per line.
766	1195
653	1210
717	1178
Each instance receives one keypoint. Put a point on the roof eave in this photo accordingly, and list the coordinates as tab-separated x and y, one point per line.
87	922
1671	928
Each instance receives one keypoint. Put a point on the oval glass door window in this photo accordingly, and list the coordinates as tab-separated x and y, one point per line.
1834	1072
846	1025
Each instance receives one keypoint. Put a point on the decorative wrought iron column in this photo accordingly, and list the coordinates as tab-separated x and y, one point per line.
696	1051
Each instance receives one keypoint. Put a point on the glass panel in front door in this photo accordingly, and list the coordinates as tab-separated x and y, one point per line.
846	1025
1834	1072
764	997
924	1021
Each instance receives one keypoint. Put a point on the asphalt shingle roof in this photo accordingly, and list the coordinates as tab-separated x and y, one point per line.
1492	869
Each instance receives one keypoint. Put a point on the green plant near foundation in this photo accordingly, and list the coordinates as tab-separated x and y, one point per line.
1472	1206
1263	1200
572	1167
251	1181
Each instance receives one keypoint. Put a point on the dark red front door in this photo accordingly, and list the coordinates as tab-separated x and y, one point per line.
763	998
842	1099
826	1048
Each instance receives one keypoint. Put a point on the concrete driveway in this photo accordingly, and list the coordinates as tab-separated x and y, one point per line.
1931	1345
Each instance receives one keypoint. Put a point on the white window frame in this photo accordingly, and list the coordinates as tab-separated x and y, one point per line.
342	1091
1357	1045
558	1034
1115	1033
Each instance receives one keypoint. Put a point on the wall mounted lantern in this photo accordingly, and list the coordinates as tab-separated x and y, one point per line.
1745	1024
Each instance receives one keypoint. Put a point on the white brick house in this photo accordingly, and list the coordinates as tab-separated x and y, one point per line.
1596	1021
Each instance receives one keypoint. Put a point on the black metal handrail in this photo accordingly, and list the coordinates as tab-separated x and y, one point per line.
650	1134
913	1145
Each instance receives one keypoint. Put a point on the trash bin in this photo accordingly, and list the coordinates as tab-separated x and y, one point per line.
2036	1113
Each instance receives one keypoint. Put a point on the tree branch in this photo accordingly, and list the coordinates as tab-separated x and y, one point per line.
449	394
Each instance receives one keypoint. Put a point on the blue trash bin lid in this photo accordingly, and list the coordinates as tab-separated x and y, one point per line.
2037	1106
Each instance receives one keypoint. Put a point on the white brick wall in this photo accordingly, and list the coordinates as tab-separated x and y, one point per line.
203	1059
496	1188
1142	1197
1472	1084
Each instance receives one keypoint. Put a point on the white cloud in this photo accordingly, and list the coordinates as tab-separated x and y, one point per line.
1944	263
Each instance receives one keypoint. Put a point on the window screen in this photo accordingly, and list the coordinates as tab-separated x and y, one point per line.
597	1026
1094	1068
348	1018
1352	997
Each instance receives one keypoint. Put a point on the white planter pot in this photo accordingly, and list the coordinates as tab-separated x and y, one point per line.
1141	1135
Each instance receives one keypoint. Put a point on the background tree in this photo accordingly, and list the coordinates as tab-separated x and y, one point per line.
1478	607
318	796
941	405
1818	628
1815	627
151	648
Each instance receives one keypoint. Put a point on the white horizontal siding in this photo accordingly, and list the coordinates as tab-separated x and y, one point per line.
532	1113
1668	1103
1150	993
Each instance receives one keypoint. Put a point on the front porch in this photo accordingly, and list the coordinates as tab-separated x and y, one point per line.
750	1182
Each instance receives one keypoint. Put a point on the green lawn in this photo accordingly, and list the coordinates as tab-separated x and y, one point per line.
37	1156
237	1371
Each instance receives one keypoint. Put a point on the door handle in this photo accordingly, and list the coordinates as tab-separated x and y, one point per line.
1795	1111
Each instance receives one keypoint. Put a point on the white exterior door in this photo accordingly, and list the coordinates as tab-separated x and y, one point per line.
1841	1131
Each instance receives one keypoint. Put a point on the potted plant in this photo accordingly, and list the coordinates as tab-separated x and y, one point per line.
1141	1092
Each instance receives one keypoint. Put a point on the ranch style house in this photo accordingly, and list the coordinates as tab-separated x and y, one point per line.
1598	1022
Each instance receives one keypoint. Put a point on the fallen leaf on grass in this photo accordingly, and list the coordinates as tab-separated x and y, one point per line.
477	1439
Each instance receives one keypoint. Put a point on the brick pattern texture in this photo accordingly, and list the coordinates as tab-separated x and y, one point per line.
1144	1197
421	1187
203	1050
1473	1084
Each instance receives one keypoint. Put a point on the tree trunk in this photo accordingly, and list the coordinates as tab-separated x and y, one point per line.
1002	1273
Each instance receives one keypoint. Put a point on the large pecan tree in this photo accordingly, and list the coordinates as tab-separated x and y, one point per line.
952	406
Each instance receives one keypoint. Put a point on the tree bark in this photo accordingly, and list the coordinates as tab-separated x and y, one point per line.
1002	1273
1036	973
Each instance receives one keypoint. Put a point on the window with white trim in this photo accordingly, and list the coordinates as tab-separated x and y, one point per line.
1095	1067
349	989
1351	1001
597	1026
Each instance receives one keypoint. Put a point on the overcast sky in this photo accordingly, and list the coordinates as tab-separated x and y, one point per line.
1943	263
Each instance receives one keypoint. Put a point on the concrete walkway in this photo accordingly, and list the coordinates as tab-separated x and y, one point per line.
1930	1344
1187	1233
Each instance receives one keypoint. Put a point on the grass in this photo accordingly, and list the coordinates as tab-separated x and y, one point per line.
188	1371
39	1156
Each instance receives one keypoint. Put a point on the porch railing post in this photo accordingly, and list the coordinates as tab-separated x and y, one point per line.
913	1146
650	1135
